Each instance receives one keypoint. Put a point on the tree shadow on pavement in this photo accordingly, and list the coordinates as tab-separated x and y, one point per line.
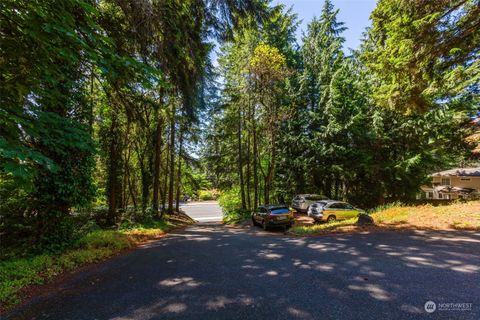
209	271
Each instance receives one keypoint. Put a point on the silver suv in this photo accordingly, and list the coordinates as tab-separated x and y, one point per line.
301	202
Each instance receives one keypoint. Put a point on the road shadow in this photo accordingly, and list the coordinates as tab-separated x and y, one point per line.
209	271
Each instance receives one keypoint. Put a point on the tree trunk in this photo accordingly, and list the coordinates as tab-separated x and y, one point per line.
114	196
91	115
271	171
255	173
172	160
248	177
328	186
131	189
165	180
179	170
157	162
240	159
145	184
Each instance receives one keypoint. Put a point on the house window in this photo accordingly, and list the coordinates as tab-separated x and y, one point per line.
465	179
445	181
440	196
430	195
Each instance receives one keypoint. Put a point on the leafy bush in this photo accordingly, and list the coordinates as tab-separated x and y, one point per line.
230	200
231	204
206	195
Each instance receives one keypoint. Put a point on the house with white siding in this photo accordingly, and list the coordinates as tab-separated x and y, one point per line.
459	183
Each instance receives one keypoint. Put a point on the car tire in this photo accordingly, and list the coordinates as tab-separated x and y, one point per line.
331	218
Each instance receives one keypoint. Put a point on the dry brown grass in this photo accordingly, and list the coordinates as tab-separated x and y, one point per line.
464	216
461	216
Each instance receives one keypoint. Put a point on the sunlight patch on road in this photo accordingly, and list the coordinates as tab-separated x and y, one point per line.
186	282
269	254
175	308
221	302
192	237
374	291
299	313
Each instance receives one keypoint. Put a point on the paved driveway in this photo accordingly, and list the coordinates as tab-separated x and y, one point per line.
207	211
213	272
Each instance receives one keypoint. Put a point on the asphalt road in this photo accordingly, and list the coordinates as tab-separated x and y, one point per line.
209	271
208	211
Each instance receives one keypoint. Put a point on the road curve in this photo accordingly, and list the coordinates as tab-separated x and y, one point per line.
206	211
210	271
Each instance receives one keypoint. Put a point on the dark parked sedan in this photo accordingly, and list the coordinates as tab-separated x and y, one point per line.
273	216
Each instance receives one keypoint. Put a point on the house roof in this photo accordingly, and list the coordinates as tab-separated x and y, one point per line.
447	189
470	172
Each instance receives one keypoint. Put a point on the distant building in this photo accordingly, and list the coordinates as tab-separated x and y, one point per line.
460	183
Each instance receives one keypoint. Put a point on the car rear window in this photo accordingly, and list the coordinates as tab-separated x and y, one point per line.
280	211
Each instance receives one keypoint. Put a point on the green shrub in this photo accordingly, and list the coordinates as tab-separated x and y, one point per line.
231	204
16	274
206	195
230	200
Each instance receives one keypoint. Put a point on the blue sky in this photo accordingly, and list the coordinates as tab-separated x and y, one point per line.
354	13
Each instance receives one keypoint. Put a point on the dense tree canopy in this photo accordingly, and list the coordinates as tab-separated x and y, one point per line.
114	108
425	51
97	101
335	135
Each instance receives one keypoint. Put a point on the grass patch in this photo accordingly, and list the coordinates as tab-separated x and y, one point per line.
147	231
16	274
460	216
19	273
321	228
